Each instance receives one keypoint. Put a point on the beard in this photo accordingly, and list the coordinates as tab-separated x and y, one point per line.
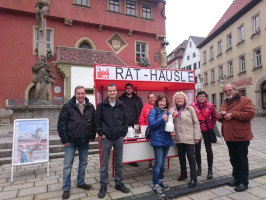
229	97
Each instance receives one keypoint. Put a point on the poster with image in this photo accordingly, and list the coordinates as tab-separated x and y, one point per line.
30	141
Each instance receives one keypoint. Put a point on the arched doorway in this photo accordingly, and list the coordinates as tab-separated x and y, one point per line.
84	45
263	95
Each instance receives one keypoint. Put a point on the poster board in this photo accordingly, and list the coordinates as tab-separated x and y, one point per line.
30	141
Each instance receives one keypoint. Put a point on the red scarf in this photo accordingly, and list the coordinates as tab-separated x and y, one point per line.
202	114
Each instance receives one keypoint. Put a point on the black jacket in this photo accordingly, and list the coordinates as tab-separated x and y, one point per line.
111	121
134	106
72	126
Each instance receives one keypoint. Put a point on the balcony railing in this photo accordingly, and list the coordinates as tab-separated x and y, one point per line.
11	103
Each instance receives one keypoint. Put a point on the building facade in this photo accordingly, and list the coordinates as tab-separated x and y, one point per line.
174	58
191	59
234	52
79	34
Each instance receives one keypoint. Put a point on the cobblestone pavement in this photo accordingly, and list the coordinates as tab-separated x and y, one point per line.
31	181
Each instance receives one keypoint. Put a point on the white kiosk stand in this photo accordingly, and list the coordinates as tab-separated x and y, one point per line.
30	142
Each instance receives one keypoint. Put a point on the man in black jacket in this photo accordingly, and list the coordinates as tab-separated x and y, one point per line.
133	105
76	130
111	125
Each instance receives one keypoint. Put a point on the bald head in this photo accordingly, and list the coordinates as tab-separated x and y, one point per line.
229	91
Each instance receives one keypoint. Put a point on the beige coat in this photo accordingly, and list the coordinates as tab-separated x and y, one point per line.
187	127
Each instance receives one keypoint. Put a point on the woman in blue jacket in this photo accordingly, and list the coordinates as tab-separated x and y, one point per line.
160	140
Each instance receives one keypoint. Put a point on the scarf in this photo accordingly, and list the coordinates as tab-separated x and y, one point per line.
230	101
202	115
180	109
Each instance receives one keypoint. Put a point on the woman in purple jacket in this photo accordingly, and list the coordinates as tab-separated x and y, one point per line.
207	118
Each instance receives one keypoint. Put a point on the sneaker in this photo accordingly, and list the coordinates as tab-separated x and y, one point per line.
65	194
164	186
158	191
122	188
102	192
150	167
134	164
84	186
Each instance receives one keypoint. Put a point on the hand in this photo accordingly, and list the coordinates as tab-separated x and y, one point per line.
175	114
219	115
103	136
228	116
165	117
66	144
196	141
172	133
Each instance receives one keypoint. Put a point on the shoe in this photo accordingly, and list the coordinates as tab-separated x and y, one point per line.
150	167
84	186
209	175
122	188
158	191
134	164
65	194
164	186
234	183
192	183
102	192
182	177
199	171
241	188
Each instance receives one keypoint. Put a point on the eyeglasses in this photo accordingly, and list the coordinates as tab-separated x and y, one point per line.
230	90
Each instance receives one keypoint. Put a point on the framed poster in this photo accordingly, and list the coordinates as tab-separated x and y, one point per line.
30	141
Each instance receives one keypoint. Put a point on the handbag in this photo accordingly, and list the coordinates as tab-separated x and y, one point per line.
148	133
212	134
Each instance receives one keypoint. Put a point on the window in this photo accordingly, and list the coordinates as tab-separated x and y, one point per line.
49	39
212	76
205	78
211	52
229	41
256	24
199	64
84	45
220	71
194	55
141	49
114	5
230	68
146	11
219	45
131	8
82	2
242	64
204	57
214	100
241	34
221	98
187	57
257	58
189	67
195	66
190	44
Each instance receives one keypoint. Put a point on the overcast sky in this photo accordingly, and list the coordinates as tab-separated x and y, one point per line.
186	18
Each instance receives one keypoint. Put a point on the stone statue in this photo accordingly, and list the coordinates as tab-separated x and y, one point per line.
43	78
164	57
42	11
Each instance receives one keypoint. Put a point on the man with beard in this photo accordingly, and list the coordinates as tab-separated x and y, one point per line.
133	105
235	115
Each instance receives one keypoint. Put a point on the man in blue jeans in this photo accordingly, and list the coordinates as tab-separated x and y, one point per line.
111	125
75	128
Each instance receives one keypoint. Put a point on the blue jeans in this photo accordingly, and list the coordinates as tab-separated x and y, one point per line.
83	149
160	154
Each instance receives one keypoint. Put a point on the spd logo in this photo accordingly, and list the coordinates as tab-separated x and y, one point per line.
103	72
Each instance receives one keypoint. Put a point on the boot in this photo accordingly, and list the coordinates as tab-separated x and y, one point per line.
209	175
199	170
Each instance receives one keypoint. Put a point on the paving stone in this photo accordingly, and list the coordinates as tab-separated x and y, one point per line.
261	180
220	191
31	197
222	198
107	197
8	195
48	195
142	189
54	187
118	194
29	191
136	184
202	195
257	191
243	195
18	186
46	182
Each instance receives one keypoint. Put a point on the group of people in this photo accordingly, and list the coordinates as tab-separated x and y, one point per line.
79	122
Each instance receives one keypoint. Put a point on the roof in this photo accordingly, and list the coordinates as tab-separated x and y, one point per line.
236	10
177	51
197	40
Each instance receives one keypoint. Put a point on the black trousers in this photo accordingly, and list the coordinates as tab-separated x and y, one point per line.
238	152
208	147
188	149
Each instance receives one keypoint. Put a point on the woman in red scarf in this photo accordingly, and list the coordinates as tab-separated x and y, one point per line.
207	118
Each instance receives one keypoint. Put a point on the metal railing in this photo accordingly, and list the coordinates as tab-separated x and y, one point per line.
33	102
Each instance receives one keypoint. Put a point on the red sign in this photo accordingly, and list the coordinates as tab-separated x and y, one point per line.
244	82
103	72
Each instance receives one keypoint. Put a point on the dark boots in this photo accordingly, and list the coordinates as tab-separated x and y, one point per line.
210	162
